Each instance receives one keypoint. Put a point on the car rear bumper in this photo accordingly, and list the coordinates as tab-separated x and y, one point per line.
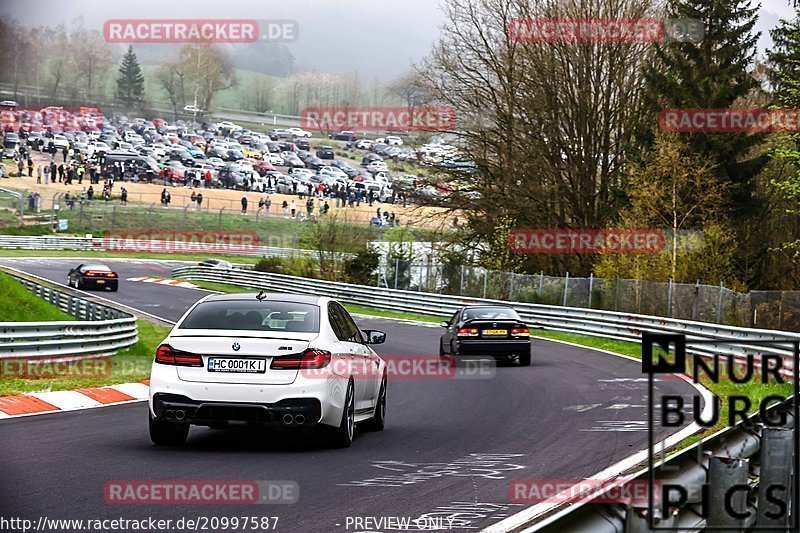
287	412
321	401
493	347
99	283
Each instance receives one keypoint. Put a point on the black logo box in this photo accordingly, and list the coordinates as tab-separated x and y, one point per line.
663	366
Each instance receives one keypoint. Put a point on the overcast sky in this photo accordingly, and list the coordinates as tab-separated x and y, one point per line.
374	37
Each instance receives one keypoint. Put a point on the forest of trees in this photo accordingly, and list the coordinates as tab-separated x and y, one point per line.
569	137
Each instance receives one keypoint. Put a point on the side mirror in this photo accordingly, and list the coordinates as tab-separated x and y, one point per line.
375	336
445	324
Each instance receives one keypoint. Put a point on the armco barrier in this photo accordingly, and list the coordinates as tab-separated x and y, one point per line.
597	323
24	242
731	449
99	330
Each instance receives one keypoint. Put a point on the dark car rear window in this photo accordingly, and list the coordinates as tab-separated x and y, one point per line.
490	313
246	315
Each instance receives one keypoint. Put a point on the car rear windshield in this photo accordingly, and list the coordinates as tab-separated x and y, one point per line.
87	268
253	315
491	313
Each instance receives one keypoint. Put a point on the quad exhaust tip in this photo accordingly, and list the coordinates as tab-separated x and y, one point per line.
169	414
180	414
288	419
300	420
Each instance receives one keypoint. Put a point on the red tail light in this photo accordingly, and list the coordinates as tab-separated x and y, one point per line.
520	331
468	332
307	360
167	356
100	273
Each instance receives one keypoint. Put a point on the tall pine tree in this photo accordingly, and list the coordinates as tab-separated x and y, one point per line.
713	74
130	83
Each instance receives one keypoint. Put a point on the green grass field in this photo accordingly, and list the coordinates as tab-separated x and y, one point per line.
21	305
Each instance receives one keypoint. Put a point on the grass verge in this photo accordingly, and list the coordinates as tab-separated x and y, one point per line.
21	305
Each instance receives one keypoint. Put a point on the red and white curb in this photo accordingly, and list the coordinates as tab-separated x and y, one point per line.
161	281
34	403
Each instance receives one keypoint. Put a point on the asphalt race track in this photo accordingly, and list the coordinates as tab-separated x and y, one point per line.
572	413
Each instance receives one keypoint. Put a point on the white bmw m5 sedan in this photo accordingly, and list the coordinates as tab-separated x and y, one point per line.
271	359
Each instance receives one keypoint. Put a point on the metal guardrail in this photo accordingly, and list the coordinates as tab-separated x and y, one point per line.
596	323
99	330
25	242
731	451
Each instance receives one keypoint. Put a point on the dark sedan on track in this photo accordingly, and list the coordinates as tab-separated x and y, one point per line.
94	276
482	330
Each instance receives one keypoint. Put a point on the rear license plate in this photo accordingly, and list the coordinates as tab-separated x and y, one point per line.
101	281
237	365
495	332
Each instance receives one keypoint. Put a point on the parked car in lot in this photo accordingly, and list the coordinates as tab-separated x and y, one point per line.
344	136
290	159
487	330
280	134
325	152
277	358
93	275
298	132
393	140
377	166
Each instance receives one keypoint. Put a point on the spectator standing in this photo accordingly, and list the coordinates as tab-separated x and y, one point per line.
39	174
46	174
310	207
293	208
267	204
123	195
193	199
200	201
244	204
30	168
285	209
90	193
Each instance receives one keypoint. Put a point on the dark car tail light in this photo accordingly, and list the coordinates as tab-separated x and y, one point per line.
309	359
520	331
166	355
468	332
100	274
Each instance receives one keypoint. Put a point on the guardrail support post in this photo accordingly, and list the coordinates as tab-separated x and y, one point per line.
727	478
719	303
566	288
775	473
669	299
591	288
511	288
460	287
485	281
397	270
541	282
